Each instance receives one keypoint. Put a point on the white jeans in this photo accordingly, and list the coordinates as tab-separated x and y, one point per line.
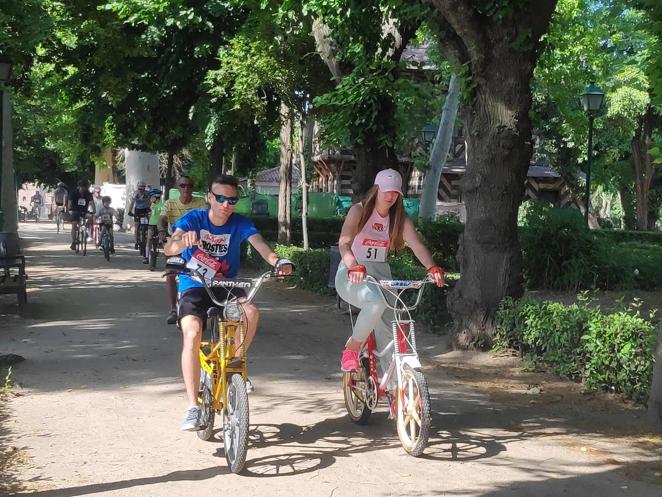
368	297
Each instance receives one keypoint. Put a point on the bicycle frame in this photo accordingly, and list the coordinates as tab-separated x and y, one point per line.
402	346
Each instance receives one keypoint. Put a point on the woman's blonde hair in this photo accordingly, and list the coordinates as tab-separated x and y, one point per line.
396	217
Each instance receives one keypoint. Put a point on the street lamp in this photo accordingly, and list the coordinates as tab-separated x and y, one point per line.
591	99
428	134
5	74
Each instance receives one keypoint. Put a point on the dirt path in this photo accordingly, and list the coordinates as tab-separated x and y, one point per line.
99	399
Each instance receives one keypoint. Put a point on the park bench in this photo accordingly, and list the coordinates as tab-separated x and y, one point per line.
13	278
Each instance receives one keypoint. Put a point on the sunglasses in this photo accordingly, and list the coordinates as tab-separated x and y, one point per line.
222	198
185	185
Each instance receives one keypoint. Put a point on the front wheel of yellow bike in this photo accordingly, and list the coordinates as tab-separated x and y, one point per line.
235	424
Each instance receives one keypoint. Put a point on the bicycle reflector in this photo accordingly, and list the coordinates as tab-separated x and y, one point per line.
232	311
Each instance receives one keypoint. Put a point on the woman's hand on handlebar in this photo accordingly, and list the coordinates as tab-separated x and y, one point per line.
356	274
436	274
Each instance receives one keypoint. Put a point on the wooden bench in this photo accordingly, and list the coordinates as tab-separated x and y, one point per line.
13	278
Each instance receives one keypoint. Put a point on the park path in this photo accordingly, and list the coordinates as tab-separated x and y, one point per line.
98	401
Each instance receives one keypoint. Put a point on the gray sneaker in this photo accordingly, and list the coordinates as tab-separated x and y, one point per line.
191	420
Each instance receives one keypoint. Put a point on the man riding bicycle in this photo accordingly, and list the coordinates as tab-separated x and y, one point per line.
35	203
81	208
216	232
173	209
139	206
60	196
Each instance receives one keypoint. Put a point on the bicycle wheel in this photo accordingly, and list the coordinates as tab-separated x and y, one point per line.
153	253
235	424
207	413
77	241
356	390
105	243
58	220
83	240
414	418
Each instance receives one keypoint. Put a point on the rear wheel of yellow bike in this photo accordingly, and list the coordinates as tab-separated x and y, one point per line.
207	413
235	424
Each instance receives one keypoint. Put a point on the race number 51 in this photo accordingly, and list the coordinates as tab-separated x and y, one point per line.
205	265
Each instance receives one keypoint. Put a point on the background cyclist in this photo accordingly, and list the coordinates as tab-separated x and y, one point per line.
373	229
139	206
173	209
216	232
155	207
60	196
105	216
80	202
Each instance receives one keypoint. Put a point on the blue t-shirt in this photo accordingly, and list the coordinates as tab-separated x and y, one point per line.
221	242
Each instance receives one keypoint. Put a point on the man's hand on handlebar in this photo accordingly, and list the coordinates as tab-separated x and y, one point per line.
190	238
283	267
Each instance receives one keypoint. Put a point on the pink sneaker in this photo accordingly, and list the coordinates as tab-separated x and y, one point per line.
349	361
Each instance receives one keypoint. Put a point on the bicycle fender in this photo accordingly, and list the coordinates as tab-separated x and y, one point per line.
411	361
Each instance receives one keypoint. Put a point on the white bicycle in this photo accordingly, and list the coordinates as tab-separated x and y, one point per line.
403	384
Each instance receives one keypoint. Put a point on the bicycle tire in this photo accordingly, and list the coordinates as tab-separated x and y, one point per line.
356	407
105	243
57	222
77	241
235	424
142	239
413	394
84	241
207	413
153	253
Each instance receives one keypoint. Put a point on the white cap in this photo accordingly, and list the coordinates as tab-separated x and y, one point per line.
389	180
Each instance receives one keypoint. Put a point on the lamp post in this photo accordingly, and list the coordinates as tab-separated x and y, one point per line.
5	75
428	134
591	99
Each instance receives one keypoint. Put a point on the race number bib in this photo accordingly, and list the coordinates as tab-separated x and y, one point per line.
144	220
373	251
105	218
205	265
82	202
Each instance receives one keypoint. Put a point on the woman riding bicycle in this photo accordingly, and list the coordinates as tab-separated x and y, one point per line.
371	230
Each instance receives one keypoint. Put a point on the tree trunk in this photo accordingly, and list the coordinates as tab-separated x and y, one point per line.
284	232
643	166
169	180
371	158
306	146
500	66
440	149
216	153
655	398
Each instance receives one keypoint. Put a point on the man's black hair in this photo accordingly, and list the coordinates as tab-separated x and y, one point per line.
224	179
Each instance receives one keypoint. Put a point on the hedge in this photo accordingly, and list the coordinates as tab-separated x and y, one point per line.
612	352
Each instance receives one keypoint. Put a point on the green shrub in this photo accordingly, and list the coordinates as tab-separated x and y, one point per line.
620	350
558	251
442	237
629	265
612	352
618	236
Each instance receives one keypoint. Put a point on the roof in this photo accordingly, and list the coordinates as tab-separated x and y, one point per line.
417	58
272	176
536	169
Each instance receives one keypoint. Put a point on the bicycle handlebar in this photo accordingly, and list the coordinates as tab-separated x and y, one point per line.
177	264
401	285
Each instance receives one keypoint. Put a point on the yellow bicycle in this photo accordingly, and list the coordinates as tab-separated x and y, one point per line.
223	371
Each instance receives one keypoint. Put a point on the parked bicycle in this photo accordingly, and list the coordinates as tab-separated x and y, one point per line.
223	374
403	383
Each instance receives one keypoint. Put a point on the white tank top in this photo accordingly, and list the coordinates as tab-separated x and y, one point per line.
372	242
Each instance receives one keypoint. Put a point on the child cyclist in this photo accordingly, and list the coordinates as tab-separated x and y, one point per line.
372	230
155	206
104	217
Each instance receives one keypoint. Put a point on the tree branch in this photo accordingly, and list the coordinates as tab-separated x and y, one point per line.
324	45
